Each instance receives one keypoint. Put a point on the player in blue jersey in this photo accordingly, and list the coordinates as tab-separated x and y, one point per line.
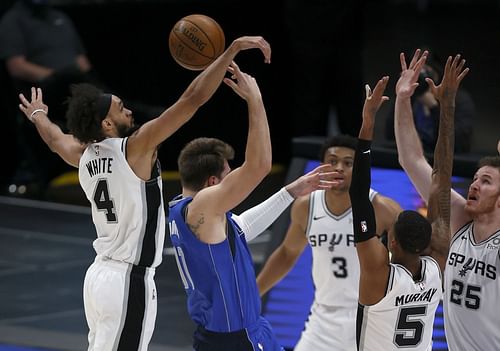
214	261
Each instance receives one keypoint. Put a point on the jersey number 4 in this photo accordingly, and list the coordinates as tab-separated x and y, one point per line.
103	202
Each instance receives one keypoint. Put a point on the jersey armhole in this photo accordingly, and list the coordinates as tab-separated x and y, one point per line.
459	232
310	214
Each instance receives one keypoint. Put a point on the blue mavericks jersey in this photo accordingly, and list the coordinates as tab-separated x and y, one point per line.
219	278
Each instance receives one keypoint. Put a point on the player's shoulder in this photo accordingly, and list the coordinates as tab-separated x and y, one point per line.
384	202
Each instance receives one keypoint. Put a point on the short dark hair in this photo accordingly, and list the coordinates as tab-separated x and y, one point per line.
341	140
84	121
492	161
200	159
412	231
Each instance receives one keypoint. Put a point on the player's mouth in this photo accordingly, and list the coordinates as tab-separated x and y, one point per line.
472	198
338	180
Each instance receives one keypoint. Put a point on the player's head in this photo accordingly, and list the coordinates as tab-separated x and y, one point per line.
204	162
93	116
339	152
411	233
484	192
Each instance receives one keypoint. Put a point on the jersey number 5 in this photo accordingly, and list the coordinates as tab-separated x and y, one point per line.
409	329
103	202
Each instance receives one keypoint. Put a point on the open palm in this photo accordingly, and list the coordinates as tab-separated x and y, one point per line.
407	83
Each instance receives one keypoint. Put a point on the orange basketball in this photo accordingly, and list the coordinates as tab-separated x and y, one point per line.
196	41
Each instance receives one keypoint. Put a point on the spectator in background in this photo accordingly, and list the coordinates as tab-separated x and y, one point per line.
426	112
41	47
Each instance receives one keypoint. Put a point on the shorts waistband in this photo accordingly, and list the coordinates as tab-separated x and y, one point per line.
121	265
235	335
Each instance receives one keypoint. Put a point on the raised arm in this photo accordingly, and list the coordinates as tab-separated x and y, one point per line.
410	151
65	145
238	184
439	198
284	257
201	89
258	218
372	255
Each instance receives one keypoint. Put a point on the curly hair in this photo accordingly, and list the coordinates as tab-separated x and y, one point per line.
412	231
200	159
341	140
83	117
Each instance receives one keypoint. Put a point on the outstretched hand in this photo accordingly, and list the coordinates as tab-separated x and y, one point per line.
247	42
242	83
374	99
322	177
454	72
407	83
30	108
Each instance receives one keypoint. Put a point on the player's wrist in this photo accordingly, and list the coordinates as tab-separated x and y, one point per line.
35	113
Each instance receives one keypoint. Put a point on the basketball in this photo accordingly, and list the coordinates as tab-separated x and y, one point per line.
196	41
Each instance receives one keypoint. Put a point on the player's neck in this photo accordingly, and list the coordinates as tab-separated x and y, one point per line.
485	225
413	264
338	201
188	193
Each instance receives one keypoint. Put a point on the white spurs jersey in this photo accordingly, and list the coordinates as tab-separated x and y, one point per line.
335	267
471	313
404	318
127	211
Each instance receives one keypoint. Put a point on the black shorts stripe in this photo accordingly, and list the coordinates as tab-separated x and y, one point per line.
130	337
359	324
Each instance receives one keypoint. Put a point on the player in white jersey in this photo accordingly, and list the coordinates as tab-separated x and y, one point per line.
398	298
121	176
471	283
324	221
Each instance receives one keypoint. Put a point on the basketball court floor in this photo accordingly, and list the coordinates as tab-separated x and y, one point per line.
45	249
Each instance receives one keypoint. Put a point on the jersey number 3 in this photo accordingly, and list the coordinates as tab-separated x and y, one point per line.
103	202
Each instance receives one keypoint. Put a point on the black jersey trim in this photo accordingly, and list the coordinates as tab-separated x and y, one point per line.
459	232
153	203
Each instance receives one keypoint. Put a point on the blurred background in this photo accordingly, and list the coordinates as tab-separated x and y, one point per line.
323	52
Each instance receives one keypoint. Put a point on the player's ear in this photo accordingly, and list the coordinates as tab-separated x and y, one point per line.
212	180
106	124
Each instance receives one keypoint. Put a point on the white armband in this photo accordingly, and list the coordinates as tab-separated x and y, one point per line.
258	218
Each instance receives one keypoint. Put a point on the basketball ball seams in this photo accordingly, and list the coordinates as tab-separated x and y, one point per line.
207	37
196	41
181	38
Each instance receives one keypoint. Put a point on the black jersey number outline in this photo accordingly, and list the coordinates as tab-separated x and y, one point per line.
407	324
103	202
341	265
472	299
